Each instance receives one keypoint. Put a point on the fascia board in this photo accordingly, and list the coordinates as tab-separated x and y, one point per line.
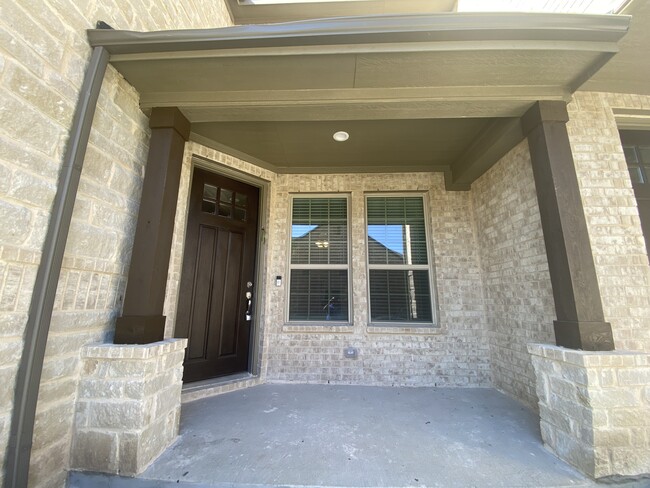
373	29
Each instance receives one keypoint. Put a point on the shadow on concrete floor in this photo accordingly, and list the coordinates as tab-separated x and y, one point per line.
354	436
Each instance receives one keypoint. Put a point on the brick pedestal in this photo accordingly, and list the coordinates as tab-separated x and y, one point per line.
595	408
128	406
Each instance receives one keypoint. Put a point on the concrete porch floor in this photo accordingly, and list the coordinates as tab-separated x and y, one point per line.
353	436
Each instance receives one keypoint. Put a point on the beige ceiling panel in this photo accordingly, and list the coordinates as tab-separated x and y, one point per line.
489	68
248	73
372	142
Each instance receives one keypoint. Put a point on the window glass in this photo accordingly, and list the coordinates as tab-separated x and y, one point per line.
399	279
396	233
400	296
638	163
319	259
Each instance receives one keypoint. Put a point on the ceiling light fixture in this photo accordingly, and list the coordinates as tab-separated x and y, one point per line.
341	136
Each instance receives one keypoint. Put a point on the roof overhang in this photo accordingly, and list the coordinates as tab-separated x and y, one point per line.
251	12
238	85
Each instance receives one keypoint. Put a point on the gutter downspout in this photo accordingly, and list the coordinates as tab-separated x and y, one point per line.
40	310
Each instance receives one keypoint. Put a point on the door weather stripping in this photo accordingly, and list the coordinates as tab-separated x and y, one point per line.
40	311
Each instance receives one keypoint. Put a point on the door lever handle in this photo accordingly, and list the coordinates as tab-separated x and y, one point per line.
249	302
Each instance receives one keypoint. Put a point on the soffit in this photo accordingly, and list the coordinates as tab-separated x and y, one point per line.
437	83
629	70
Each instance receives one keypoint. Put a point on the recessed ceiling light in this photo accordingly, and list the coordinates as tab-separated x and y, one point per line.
341	136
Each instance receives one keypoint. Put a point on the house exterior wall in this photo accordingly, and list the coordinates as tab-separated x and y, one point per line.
455	354
612	217
517	286
43	54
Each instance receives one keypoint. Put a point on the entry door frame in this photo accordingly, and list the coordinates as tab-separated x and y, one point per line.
260	288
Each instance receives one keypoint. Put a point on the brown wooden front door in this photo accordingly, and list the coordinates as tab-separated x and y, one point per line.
218	271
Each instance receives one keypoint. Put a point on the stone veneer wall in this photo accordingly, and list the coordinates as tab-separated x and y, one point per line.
43	54
612	217
129	405
595	408
456	354
518	294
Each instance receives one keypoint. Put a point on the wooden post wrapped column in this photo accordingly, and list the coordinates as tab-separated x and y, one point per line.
580	320
142	320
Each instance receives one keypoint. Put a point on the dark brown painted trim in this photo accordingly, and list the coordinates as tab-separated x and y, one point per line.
142	320
28	378
490	146
580	320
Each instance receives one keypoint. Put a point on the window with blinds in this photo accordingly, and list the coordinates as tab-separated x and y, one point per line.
398	260
319	282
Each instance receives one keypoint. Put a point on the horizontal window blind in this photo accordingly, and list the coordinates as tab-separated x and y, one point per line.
319	286
398	262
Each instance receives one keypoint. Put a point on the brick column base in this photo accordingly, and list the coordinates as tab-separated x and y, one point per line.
594	408
128	407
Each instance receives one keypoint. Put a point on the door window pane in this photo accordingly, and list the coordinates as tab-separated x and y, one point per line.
208	205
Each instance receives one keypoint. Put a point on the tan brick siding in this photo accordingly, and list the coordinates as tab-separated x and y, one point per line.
518	294
612	215
453	355
43	54
456	354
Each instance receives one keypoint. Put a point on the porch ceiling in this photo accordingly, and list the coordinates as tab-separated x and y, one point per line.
431	92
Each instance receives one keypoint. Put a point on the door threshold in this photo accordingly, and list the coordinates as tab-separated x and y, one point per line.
217	386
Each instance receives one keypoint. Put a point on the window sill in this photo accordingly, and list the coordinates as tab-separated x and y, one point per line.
405	329
339	328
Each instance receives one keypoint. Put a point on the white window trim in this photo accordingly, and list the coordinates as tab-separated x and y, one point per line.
289	266
435	323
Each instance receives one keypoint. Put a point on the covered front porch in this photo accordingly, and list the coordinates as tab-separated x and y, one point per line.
326	435
498	217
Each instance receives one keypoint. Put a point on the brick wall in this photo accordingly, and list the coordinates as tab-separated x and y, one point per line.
456	354
518	294
612	216
43	54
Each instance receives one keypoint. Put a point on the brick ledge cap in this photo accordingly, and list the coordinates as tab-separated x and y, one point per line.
589	358
133	351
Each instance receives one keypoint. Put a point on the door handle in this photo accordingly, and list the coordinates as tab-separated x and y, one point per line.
249	302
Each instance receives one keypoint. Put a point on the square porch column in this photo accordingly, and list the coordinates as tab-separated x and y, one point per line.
142	321
593	402
580	320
